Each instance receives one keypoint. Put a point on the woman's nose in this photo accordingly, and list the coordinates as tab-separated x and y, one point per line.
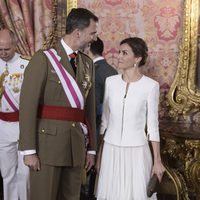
94	37
119	55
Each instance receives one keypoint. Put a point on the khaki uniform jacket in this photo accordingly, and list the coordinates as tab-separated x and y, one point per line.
58	143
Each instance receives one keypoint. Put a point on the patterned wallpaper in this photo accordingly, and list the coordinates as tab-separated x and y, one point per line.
157	21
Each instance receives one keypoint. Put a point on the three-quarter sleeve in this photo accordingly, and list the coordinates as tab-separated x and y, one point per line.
152	114
106	111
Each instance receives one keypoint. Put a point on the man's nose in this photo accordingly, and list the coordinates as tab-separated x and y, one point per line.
3	52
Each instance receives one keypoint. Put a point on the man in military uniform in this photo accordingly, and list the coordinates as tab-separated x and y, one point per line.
57	112
14	173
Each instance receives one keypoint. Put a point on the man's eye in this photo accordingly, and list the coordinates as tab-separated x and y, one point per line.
4	49
124	53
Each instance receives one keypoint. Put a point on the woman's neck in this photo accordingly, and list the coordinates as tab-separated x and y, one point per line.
131	75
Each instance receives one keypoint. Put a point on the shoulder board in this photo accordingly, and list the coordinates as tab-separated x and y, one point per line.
84	54
25	57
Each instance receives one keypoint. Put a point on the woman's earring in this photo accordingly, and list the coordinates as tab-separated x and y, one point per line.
135	65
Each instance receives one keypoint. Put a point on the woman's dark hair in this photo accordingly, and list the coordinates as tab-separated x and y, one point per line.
139	48
79	18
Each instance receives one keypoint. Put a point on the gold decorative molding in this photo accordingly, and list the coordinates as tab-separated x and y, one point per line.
71	4
193	164
183	96
180	150
171	150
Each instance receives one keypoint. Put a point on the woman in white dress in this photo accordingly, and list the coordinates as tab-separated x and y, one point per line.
129	122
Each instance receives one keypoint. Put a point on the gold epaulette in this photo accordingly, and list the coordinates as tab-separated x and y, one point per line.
81	52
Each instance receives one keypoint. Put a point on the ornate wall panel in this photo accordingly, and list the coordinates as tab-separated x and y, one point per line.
158	22
161	24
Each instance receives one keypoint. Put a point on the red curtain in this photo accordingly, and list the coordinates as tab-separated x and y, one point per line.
33	21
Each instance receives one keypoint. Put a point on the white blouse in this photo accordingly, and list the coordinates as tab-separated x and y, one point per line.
127	118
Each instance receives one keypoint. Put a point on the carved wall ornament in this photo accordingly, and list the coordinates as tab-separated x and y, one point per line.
181	156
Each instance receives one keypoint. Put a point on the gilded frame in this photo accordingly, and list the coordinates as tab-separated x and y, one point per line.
183	96
71	4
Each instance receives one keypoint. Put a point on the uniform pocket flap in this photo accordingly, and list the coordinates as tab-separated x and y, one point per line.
54	78
47	128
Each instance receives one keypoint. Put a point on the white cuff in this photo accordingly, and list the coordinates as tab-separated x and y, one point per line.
28	152
91	152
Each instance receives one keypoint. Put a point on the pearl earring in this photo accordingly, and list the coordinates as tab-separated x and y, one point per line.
135	65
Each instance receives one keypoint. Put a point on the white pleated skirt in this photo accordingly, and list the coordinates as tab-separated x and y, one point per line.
124	173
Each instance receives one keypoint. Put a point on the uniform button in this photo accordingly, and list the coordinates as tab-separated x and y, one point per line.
59	82
73	124
42	130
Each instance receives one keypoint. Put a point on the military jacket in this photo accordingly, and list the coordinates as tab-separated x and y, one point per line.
11	77
57	142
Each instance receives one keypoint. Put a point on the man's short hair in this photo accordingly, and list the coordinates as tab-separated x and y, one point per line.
97	47
79	18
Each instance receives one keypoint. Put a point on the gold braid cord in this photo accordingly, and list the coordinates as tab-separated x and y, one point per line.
52	36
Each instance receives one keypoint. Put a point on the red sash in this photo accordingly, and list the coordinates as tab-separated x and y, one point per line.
10	117
61	113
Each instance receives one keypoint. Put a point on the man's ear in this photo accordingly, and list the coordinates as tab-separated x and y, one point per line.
77	33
